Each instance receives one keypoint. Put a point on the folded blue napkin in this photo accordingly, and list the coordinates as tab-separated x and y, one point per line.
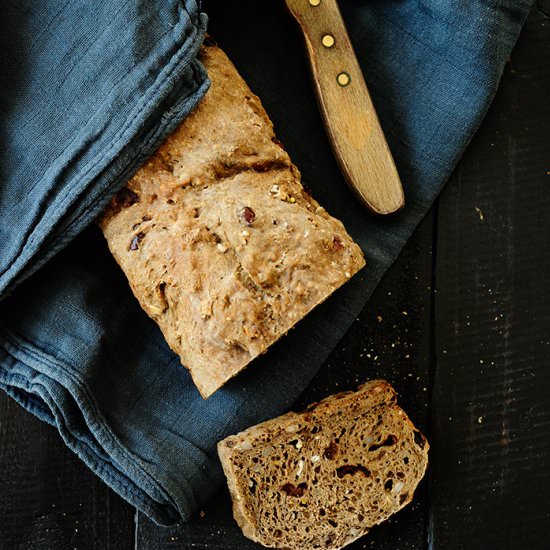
88	91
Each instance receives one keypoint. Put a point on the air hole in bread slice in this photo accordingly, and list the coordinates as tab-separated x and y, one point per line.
388	442
349	469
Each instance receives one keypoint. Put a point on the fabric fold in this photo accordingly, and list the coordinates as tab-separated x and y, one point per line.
105	94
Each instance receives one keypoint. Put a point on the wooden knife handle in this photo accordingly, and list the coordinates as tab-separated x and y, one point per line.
348	113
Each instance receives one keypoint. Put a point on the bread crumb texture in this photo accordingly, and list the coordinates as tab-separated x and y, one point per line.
222	245
324	477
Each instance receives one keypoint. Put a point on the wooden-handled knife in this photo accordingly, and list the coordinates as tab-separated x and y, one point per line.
348	113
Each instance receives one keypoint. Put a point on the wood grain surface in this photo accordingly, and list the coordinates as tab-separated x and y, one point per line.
346	107
491	390
460	325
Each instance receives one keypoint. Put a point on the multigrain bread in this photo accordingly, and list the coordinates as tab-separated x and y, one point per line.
220	242
324	477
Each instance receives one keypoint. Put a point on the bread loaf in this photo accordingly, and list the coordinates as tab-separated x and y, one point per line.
220	242
324	477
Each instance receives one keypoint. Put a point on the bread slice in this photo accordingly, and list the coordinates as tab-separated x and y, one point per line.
220	242
323	477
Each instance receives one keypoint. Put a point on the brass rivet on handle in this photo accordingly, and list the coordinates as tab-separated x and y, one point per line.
327	40
343	79
314	2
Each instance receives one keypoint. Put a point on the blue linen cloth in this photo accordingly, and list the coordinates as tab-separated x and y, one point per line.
88	90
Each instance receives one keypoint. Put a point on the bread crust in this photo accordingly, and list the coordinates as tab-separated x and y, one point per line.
309	464
220	242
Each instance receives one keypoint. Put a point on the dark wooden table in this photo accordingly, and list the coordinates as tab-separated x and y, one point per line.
461	327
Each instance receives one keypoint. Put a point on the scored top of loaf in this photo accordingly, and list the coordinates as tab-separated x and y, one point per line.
323	477
220	242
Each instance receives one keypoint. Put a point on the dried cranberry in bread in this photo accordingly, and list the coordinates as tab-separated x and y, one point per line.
324	477
221	244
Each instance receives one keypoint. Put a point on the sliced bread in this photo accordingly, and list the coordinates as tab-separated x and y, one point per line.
322	478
